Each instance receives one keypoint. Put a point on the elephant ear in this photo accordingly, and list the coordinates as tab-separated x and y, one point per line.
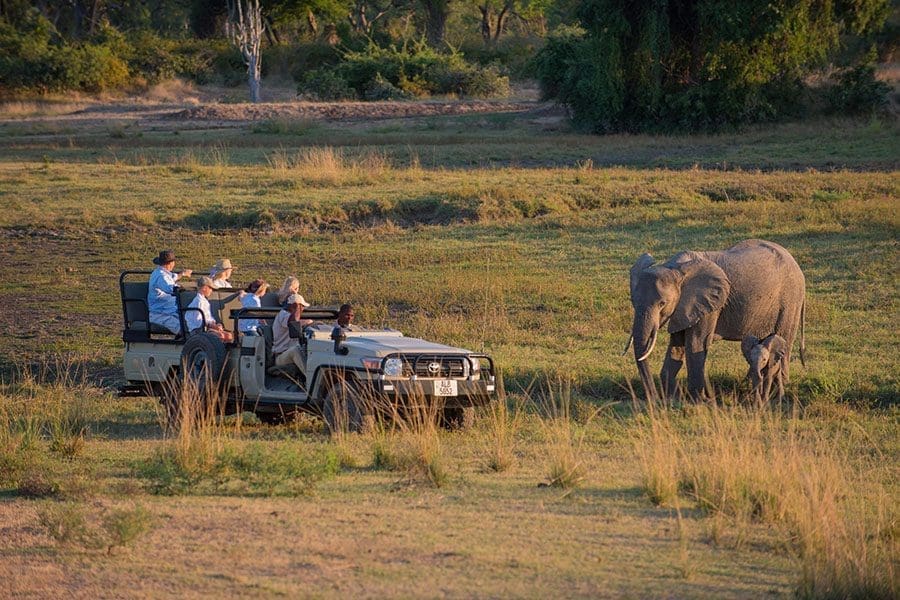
777	348
643	261
704	290
747	345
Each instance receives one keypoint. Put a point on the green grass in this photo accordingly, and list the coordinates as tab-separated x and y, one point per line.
498	233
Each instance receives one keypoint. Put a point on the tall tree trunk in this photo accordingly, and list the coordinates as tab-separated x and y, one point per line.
436	13
486	15
245	28
501	21
271	32
253	73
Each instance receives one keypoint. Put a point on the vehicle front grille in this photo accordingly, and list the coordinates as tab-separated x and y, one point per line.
435	366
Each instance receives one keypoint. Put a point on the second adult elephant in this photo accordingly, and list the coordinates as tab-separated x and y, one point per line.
753	288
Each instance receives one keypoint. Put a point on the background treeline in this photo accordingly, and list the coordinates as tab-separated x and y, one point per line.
618	65
383	48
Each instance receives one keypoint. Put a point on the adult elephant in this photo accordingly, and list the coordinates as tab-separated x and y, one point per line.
753	288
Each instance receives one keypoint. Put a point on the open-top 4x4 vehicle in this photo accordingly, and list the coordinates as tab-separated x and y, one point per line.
351	375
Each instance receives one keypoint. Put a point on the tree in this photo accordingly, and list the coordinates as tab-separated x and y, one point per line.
493	18
245	28
695	64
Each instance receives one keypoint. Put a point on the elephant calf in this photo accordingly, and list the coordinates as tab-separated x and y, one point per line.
766	358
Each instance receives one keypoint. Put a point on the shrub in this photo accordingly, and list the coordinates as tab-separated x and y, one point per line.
382	89
857	91
326	85
514	55
69	524
374	73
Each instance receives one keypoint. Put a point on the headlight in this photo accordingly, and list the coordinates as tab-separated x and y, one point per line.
393	367
476	365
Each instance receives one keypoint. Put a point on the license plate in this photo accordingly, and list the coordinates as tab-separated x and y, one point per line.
445	387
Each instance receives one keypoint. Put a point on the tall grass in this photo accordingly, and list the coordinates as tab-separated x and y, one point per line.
205	454
407	438
501	425
754	465
566	467
324	165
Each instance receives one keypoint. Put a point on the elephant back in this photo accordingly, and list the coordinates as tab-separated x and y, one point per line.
767	291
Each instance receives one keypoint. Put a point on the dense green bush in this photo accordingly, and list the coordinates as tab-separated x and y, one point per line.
326	85
857	91
696	65
382	89
512	55
412	71
33	63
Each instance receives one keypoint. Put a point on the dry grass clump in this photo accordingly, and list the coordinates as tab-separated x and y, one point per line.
408	439
752	465
33	108
69	524
205	455
324	165
47	405
499	432
564	436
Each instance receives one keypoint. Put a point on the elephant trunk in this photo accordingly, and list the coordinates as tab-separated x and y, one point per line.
644	332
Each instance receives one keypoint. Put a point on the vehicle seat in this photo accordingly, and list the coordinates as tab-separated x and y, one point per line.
221	303
289	371
137	315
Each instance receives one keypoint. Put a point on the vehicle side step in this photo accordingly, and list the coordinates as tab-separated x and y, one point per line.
132	391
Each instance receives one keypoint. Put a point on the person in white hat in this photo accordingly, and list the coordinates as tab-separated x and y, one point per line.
285	348
221	274
198	312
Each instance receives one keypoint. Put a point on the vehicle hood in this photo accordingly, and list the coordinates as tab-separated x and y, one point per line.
387	345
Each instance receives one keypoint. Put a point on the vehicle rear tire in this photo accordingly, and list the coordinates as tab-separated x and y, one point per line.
204	370
203	361
459	417
343	410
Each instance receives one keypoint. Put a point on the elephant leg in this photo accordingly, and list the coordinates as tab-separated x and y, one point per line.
780	378
698	385
672	365
767	388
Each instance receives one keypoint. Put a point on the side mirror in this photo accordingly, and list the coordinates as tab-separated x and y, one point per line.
339	337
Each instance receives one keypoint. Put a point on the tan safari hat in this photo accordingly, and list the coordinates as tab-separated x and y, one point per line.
297	299
223	264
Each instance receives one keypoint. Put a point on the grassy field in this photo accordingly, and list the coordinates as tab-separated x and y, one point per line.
508	233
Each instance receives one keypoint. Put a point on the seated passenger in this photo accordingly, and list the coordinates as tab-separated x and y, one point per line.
221	274
345	318
161	301
251	299
291	286
286	349
195	319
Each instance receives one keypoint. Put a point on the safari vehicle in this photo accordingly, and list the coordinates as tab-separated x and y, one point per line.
356	370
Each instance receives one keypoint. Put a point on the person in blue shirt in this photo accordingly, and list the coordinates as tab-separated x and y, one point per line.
161	301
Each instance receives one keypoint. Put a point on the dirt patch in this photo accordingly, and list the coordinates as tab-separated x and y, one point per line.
340	111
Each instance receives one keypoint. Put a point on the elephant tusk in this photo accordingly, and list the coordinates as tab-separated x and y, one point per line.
628	345
647	353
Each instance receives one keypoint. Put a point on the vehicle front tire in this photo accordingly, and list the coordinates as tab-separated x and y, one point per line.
344	410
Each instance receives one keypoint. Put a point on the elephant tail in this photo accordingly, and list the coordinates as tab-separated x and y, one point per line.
802	339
